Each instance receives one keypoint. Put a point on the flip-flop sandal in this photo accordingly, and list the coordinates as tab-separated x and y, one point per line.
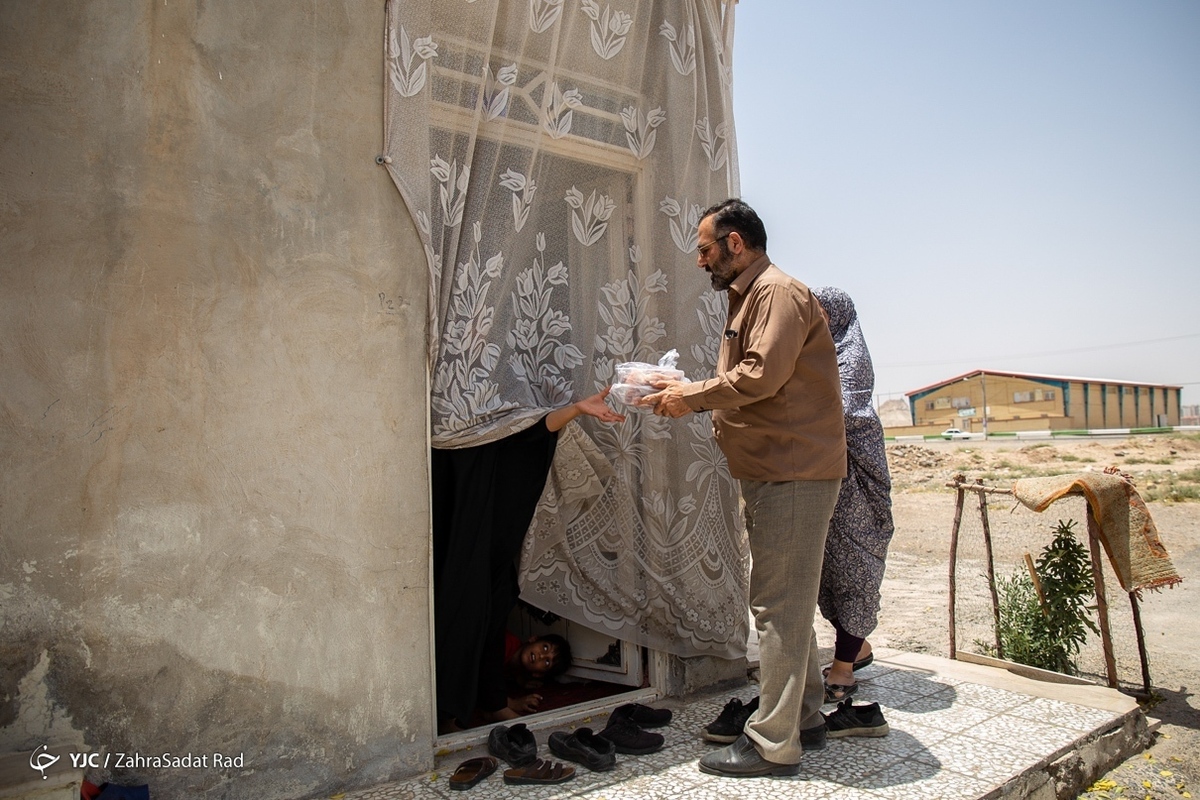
539	772
836	692
471	772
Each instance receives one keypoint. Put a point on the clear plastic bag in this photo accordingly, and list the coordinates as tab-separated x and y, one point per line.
637	379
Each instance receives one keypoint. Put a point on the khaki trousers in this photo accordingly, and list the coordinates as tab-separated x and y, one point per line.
787	523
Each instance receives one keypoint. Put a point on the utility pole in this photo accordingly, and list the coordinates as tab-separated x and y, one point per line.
983	386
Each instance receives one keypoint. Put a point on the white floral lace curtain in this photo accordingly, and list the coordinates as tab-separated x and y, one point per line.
555	155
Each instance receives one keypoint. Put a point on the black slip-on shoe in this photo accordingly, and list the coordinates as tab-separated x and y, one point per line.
742	760
584	747
645	716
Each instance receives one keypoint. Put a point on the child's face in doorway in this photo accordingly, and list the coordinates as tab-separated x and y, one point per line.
538	657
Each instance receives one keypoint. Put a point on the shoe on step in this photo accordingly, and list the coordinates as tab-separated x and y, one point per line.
630	739
515	744
851	720
645	716
728	725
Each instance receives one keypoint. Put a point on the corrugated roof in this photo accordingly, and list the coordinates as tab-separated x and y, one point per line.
1035	376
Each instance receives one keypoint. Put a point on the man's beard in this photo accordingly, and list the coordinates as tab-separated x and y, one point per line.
721	273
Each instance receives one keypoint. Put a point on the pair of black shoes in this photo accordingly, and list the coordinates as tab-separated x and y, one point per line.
627	724
624	734
597	751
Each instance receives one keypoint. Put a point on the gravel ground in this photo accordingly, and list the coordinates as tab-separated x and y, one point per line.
914	613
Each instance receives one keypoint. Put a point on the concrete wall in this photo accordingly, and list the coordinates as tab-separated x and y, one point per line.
213	460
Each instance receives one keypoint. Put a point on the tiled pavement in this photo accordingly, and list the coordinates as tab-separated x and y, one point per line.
958	730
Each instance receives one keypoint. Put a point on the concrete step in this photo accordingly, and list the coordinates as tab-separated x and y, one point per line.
957	730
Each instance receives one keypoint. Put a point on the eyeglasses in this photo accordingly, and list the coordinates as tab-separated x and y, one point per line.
704	247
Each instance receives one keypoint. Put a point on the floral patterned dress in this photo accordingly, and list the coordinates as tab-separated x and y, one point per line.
861	528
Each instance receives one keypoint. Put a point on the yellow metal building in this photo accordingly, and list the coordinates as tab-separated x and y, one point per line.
996	402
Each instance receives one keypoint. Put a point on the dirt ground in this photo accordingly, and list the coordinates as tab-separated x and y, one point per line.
914	611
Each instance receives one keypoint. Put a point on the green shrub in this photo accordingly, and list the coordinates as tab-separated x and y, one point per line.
1049	636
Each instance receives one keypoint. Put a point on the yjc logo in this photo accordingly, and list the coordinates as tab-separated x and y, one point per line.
41	760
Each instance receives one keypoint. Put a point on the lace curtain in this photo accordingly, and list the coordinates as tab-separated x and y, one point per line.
555	155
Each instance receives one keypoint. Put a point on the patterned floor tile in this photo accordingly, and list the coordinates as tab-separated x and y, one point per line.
914	779
901	742
886	696
983	760
953	719
1065	715
919	683
989	697
927	704
1023	734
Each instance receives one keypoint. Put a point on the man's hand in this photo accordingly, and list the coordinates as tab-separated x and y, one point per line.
668	401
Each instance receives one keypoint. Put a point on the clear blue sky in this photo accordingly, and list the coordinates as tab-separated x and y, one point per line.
999	184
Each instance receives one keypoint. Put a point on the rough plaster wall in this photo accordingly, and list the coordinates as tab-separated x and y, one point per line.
213	491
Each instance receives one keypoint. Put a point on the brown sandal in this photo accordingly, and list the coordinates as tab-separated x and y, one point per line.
539	772
472	771
836	692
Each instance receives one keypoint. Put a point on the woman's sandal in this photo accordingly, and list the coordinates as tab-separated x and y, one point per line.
836	692
539	772
471	772
865	661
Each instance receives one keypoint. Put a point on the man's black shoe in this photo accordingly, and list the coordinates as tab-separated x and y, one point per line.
729	724
852	720
628	738
515	745
742	760
813	738
584	747
645	716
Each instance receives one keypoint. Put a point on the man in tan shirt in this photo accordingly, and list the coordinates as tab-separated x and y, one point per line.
777	415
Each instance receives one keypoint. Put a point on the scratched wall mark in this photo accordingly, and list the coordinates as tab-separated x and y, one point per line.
101	424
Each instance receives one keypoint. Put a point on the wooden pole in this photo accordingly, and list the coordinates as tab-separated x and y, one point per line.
991	568
1037	585
958	510
1110	662
1141	640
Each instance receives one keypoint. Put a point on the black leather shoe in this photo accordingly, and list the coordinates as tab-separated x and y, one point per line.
742	760
814	738
515	745
630	739
584	747
644	716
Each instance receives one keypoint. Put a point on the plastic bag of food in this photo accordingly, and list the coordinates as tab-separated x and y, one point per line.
636	379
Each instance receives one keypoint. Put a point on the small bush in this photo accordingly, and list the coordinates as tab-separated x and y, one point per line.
1049	636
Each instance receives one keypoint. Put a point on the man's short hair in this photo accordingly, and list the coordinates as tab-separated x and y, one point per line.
735	215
